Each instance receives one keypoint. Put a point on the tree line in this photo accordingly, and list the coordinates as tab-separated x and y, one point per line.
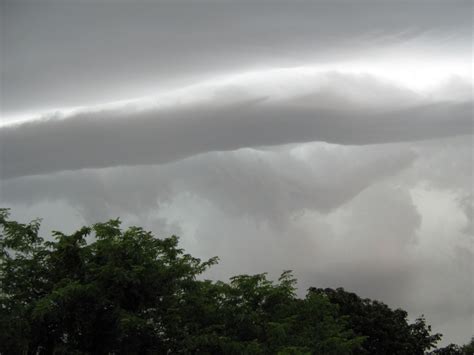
104	290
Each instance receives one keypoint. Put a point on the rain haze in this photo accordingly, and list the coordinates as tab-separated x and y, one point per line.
332	138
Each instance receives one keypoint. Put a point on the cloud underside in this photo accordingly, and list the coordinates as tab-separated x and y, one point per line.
388	221
337	108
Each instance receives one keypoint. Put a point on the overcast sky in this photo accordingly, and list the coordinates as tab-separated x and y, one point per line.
331	138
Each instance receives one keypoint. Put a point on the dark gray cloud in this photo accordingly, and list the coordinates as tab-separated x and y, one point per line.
333	138
335	108
267	185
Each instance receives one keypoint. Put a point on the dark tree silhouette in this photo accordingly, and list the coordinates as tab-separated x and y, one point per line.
387	331
127	292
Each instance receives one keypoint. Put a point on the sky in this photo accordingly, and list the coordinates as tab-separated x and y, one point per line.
332	138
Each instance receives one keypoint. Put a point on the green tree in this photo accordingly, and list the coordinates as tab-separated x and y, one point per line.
260	316
122	293
386	331
468	349
127	292
453	349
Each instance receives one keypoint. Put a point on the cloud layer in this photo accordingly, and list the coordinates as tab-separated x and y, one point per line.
387	221
58	53
264	109
331	138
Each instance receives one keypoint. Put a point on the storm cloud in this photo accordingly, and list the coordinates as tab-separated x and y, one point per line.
330	138
263	109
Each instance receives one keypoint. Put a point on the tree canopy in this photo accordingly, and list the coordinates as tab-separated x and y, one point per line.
104	290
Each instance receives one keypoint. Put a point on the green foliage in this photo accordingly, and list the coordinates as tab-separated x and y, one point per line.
453	349
122	293
468	349
387	331
127	292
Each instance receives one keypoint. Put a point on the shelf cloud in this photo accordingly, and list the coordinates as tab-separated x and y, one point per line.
263	109
333	138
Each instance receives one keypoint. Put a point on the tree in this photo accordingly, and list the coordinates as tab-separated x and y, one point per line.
120	294
104	290
387	331
127	292
260	316
453	349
